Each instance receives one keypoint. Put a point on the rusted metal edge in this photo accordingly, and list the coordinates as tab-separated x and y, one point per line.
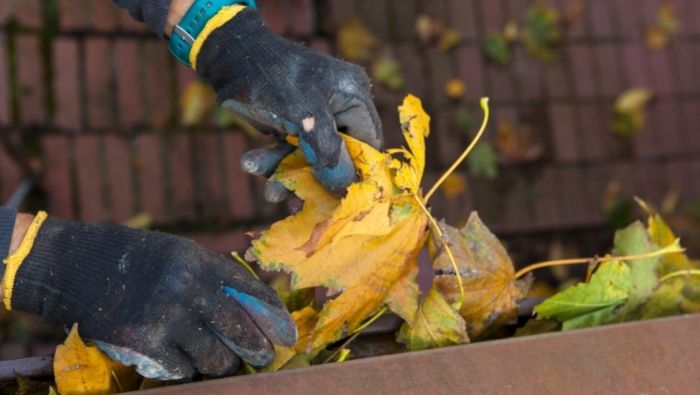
656	356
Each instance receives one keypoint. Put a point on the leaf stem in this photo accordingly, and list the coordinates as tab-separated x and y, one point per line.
484	102
356	333
669	249
458	304
679	273
245	264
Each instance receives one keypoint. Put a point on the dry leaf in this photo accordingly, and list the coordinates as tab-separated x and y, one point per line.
196	102
660	35
511	31
437	324
630	111
355	42
516	144
453	186
449	40
319	244
656	38
455	88
305	320
387	71
428	28
491	290
84	369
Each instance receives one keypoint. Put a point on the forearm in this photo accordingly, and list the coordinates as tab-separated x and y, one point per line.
22	223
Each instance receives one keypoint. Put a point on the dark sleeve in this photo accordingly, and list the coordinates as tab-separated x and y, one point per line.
153	12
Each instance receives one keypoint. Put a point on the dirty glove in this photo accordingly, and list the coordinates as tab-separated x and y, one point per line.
149	299
285	87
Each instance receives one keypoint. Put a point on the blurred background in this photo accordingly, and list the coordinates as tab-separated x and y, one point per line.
593	103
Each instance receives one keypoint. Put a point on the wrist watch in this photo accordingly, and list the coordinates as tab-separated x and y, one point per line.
196	17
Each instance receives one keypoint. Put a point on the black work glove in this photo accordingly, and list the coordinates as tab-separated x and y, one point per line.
149	299
282	86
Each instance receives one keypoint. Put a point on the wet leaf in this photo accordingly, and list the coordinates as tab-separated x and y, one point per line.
387	71
449	40
592	303
680	295
662	235
483	162
355	42
84	369
454	185
491	290
196	102
541	33
629	115
634	240
517	144
455	88
319	244
496	48
437	324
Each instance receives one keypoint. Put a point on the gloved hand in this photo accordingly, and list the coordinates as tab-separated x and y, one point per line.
149	299
282	86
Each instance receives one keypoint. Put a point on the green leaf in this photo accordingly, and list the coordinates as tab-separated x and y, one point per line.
436	324
679	295
634	240
482	162
541	32
592	303
496	48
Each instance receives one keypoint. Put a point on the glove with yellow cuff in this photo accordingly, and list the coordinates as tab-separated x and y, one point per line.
149	299
281	87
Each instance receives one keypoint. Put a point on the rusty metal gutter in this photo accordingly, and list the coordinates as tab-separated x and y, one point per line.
650	357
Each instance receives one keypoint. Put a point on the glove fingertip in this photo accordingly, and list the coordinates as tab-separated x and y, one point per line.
337	179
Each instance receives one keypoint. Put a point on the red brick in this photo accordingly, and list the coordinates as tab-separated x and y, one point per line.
29	74
180	164
670	136
517	207
636	69
662	72
87	165
462	16
608	61
374	14
159	92
148	162
56	178
67	84
492	14
645	142
563	132
223	243
404	14
214	196
441	71
628	18
102	15
73	14
581	62
597	141
527	75
688	12
129	24
26	12
302	17
321	45
500	83
471	70
10	176
546	198
594	182
100	96
685	54
676	175
119	176
4	84
601	18
130	98
556	80
390	126
570	193
412	68
450	140
274	13
691	119
578	29
240	203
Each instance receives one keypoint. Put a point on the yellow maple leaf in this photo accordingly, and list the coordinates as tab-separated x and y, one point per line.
437	325
305	320
84	369
491	291
355	41
362	247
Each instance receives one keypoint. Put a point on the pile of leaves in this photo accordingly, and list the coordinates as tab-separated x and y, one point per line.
362	250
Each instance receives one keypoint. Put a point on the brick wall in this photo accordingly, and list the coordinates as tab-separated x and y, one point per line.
92	96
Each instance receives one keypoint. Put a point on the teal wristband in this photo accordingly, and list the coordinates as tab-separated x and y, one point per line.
196	17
